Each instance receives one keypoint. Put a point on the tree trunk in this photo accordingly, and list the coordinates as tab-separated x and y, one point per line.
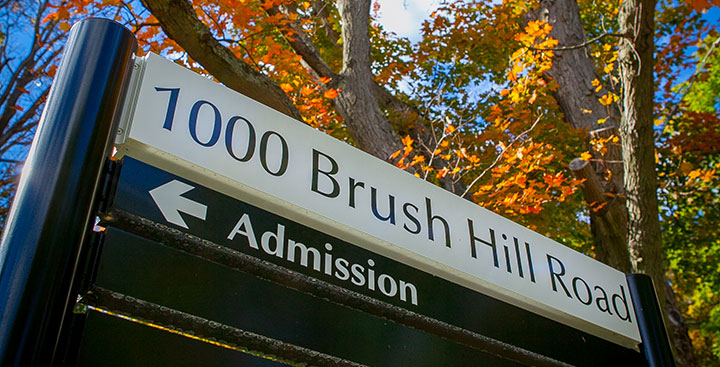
627	232
574	71
357	103
636	62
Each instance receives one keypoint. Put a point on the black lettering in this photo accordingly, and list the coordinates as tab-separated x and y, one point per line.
623	299
353	185
587	290
217	123
373	206
412	218
316	170
229	139
554	275
604	298
172	106
507	260
284	153
473	238
517	256
530	264
432	218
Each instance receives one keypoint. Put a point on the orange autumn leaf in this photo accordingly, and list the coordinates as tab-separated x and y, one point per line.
553	180
694	174
331	94
407	141
306	91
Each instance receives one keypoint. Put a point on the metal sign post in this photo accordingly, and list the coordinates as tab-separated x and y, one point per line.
655	344
53	206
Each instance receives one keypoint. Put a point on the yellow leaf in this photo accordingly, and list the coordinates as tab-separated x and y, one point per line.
606	100
595	82
585	110
586	156
602	121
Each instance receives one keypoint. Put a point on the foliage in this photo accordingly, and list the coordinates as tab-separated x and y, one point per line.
704	96
496	122
689	158
478	85
29	52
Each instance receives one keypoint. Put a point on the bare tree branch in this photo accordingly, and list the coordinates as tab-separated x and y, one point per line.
500	155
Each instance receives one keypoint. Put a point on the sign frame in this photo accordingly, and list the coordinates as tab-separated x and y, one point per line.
181	129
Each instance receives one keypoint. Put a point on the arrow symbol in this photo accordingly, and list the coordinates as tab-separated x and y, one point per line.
168	199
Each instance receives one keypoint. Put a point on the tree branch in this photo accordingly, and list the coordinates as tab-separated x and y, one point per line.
179	21
303	45
691	81
500	155
582	45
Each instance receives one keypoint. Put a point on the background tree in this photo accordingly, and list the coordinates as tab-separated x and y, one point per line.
493	104
29	50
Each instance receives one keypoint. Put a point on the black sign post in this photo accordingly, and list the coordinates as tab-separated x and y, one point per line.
53	207
655	344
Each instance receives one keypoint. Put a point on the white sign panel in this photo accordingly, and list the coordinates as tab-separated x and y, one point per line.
223	139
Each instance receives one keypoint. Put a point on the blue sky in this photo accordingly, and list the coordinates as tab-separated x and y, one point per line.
404	17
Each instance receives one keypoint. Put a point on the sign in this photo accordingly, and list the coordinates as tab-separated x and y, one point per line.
203	131
139	268
294	246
